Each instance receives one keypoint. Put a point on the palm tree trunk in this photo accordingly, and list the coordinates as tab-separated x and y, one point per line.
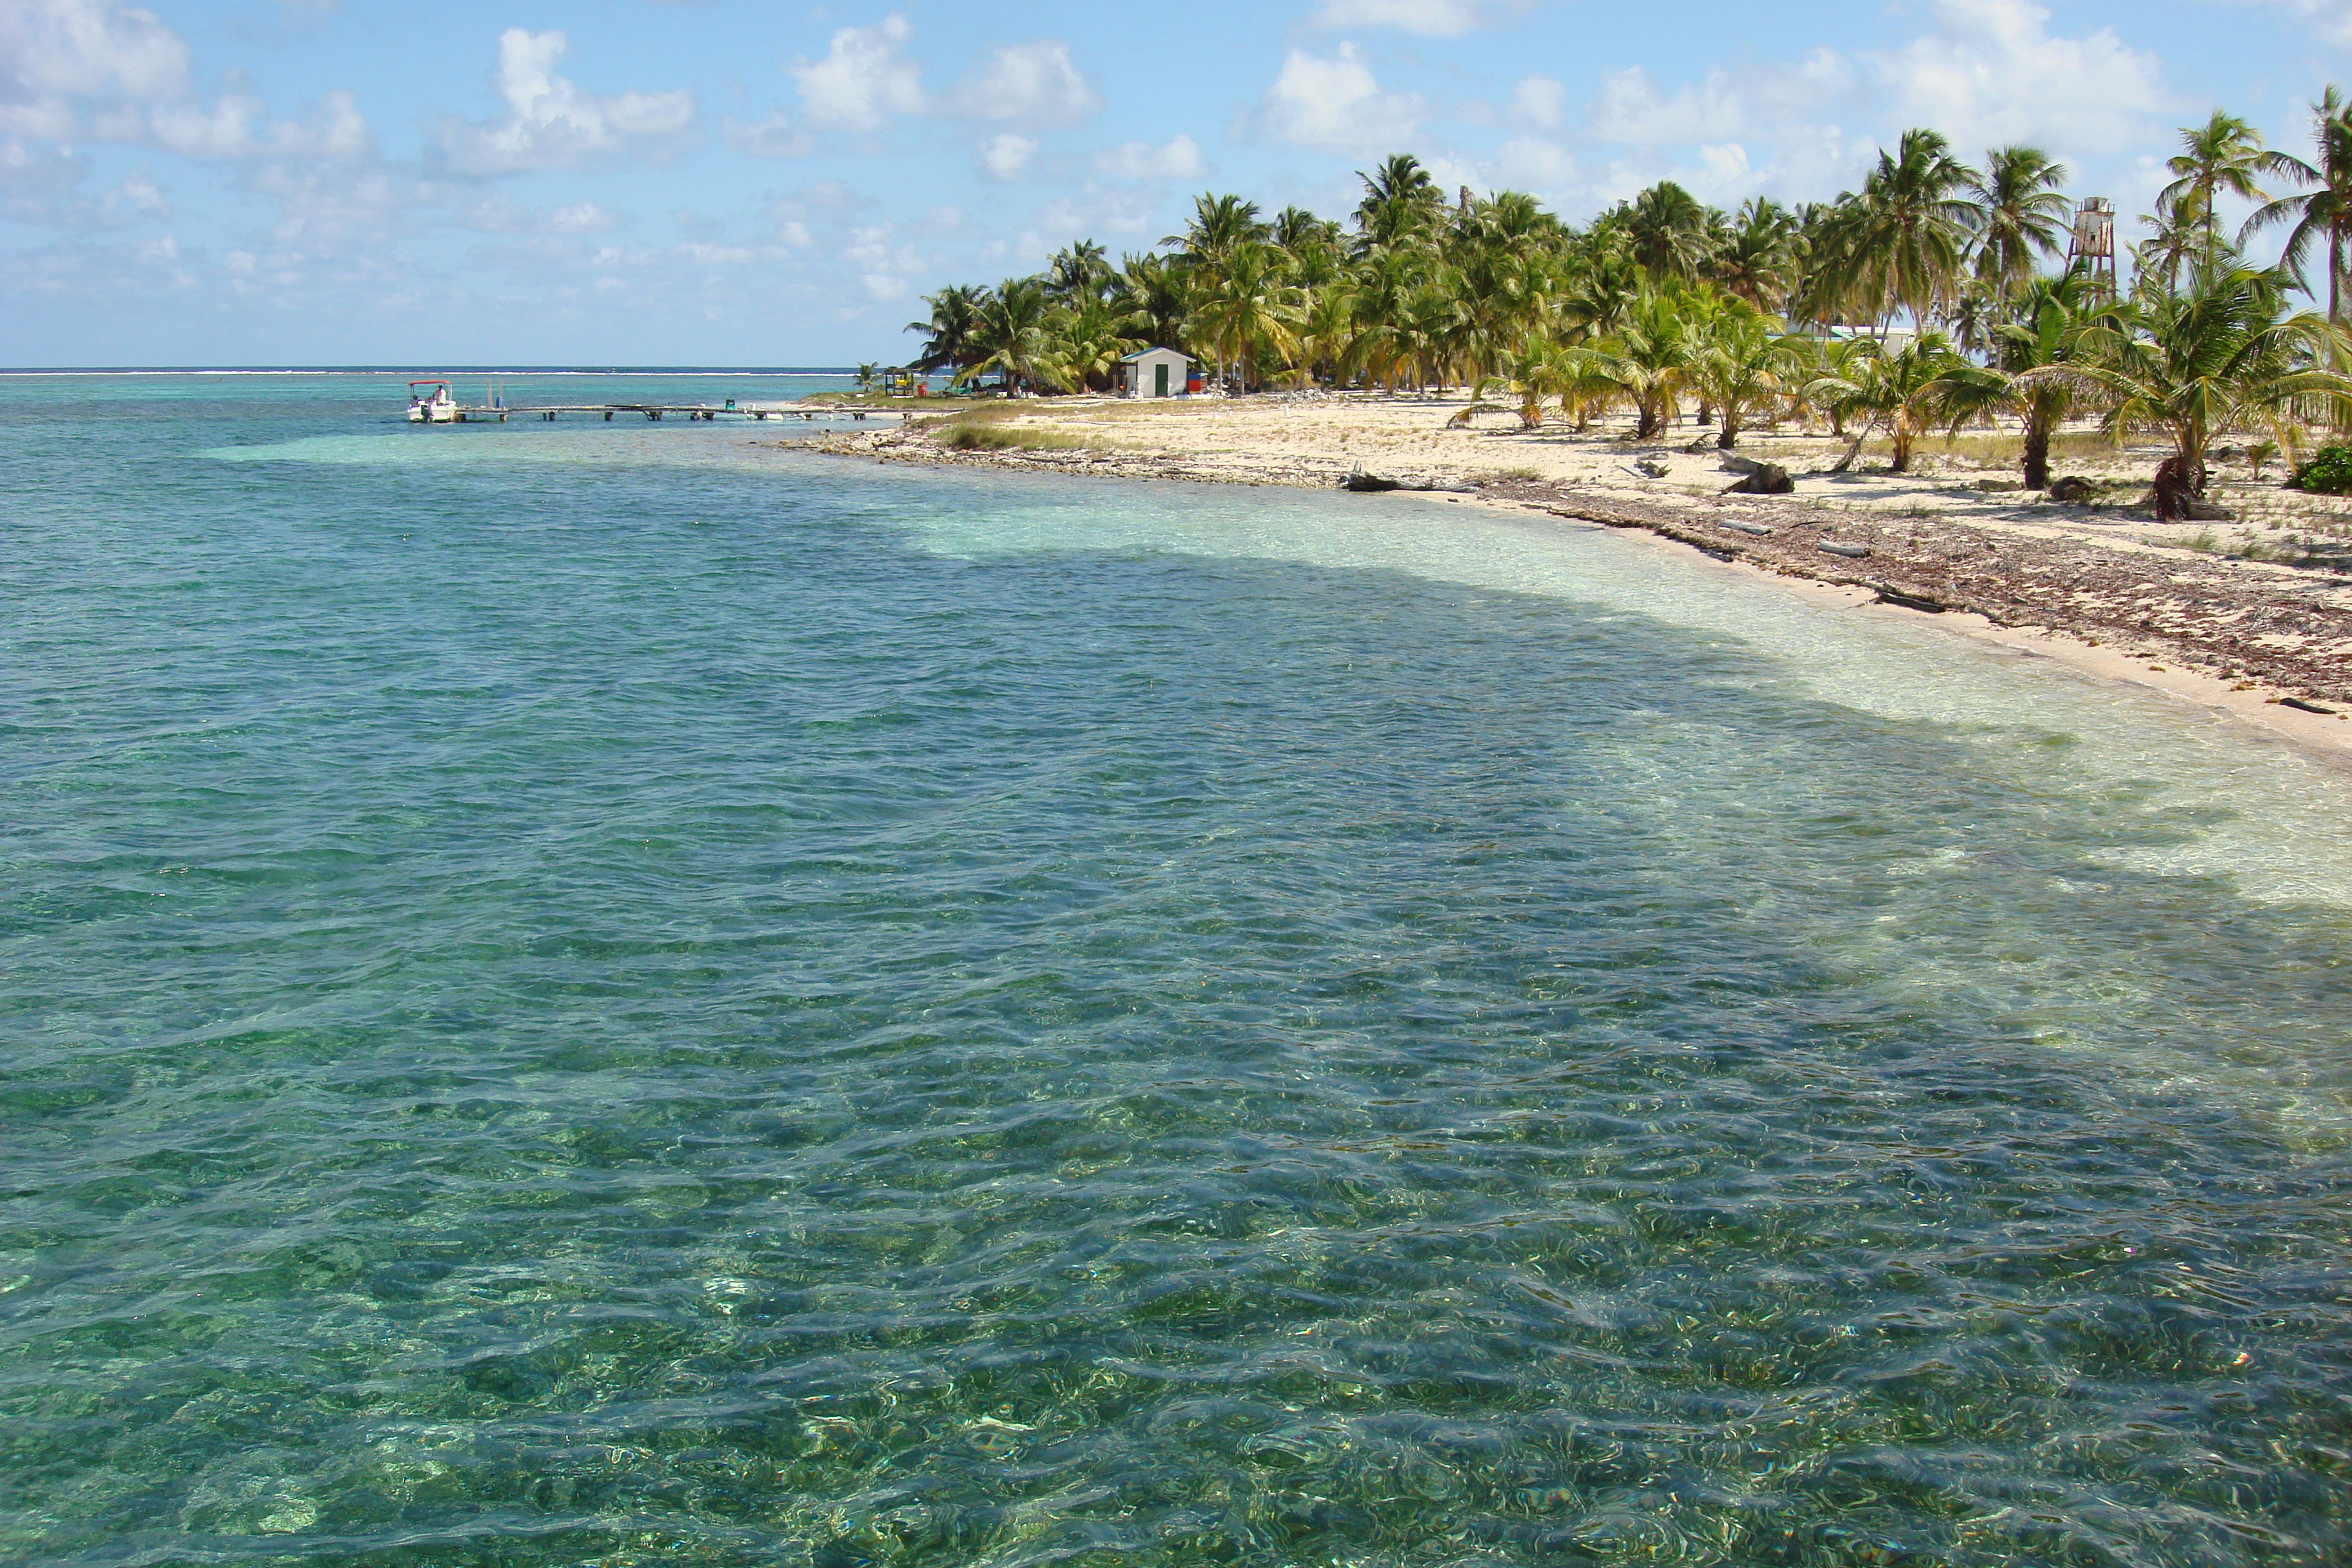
2037	452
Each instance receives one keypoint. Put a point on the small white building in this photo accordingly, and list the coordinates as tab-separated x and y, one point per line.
1154	372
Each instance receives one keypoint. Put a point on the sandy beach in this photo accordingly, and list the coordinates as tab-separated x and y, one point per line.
2248	617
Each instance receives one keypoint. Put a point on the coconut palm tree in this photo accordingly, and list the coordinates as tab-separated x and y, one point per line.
2021	215
1009	333
1248	311
1666	229
2044	330
2222	354
1220	225
1907	393
1759	257
1152	292
2225	154
1077	272
949	335
1649	359
1401	201
2322	215
1738	366
1899	245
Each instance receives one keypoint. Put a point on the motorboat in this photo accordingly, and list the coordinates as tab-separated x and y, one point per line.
431	403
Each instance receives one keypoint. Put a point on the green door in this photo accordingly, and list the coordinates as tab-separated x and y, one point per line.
1160	379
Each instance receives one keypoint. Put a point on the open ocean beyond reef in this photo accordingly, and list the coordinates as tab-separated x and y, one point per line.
592	993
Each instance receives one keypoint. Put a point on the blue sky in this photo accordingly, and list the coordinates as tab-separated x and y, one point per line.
228	182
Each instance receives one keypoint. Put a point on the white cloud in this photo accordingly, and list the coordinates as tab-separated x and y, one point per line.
238	127
1179	160
1433	19
1995	74
52	51
1533	163
2332	19
864	78
551	123
500	214
1031	84
1541	101
1631	108
1335	103
775	137
1004	157
91	47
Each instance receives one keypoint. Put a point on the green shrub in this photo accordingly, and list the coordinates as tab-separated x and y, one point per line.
2329	472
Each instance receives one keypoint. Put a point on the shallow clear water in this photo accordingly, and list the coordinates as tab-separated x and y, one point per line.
604	995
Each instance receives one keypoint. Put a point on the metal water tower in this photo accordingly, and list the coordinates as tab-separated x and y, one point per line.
2093	248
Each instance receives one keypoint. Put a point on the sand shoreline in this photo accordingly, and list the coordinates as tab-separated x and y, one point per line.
2102	594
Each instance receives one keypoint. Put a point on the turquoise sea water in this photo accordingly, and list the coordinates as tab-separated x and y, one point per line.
604	995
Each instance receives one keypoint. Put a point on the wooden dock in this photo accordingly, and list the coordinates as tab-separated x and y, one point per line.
485	414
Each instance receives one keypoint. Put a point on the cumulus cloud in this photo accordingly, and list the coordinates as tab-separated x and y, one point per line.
2332	19
498	213
1336	104
864	79
93	48
1431	19
238	127
1031	84
1629	108
1995	73
551	123
1178	160
1004	157
1541	101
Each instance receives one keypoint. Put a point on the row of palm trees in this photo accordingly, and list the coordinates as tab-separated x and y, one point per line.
1764	315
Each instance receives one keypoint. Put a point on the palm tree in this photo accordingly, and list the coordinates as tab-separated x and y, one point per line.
1077	272
2225	153
1247	309
1401	200
1220	225
1736	366
1898	246
2323	212
1649	359
1667	229
2047	326
1009	335
2222	354
1906	394
1150	290
2020	214
949	333
2171	240
1758	256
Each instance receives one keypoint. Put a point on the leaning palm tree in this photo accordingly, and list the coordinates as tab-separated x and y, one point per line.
2225	154
949	335
2223	354
1906	394
2322	215
2020	214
